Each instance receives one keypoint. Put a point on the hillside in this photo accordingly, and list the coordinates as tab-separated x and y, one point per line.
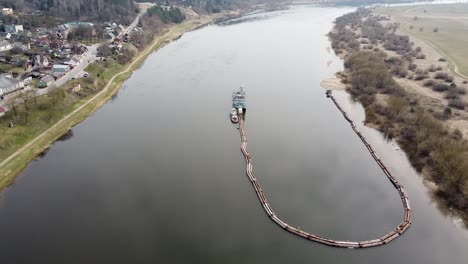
90	10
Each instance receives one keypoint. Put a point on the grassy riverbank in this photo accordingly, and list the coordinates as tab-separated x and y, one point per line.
27	140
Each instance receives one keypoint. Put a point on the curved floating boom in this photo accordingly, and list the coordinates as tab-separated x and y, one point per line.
329	242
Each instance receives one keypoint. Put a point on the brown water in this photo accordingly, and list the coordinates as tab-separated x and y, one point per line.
157	176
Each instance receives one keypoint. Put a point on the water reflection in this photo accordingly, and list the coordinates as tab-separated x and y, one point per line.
68	135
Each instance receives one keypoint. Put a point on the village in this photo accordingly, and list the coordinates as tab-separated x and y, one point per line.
42	58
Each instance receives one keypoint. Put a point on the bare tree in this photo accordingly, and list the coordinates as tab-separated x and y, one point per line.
27	98
56	96
12	104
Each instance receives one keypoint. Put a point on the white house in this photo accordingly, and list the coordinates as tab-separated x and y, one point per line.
7	11
10	86
13	28
5	45
57	68
75	60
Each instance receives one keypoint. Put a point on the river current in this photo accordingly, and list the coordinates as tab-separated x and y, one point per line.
156	175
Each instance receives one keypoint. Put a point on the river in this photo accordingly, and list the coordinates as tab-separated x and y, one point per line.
156	175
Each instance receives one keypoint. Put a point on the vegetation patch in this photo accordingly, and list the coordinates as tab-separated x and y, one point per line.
429	145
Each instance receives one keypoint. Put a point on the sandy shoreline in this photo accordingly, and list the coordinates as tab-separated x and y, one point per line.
334	84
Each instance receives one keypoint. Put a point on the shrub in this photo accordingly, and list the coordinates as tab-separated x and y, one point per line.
441	75
452	93
461	90
442	59
420	56
429	83
448	111
412	67
449	79
457	103
436	29
440	87
420	77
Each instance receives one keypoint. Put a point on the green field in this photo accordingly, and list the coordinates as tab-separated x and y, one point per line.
451	40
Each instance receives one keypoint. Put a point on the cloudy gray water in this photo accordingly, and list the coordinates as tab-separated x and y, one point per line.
157	176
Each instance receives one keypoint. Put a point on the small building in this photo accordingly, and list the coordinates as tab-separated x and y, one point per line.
58	68
75	60
5	35
10	86
35	74
27	80
5	45
7	11
71	25
76	88
21	46
13	28
46	80
110	35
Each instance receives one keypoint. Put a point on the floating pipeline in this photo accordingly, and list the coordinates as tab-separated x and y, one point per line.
400	229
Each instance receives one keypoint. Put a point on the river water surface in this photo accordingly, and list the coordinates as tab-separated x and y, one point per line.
157	176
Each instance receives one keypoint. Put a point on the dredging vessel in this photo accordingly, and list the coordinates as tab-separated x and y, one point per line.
238	105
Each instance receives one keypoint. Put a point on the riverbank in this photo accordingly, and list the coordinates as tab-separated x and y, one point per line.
382	73
11	166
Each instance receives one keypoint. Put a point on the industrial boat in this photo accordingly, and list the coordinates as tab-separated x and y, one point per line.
238	105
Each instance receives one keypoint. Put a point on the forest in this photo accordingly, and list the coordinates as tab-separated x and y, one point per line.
90	10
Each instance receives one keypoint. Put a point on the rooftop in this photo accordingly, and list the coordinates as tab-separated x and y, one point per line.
6	80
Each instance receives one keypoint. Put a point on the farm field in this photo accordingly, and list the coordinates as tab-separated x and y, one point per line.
445	27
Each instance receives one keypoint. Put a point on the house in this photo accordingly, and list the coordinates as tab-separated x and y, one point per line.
21	46
27	80
10	86
46	80
14	60
13	28
71	25
41	60
42	33
110	35
5	35
35	75
5	45
7	11
75	60
42	42
58	68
